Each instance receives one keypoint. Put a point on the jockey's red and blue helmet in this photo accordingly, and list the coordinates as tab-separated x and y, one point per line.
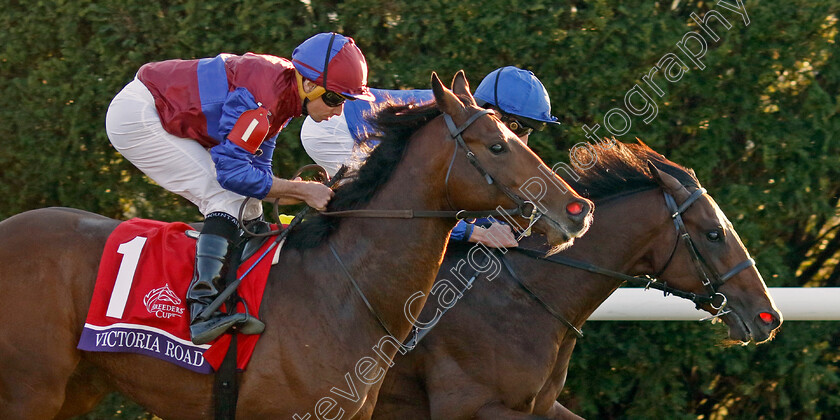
518	92
334	62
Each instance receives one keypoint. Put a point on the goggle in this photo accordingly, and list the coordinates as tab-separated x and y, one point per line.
521	130
333	99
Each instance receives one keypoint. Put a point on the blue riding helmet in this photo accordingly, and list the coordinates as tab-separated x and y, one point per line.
517	92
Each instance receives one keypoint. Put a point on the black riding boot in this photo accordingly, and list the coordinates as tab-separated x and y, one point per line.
212	250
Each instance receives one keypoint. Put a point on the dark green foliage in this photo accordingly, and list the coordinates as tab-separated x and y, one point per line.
675	370
759	124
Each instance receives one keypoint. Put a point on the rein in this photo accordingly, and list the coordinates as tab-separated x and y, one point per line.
418	333
649	282
455	132
279	236
413	214
539	300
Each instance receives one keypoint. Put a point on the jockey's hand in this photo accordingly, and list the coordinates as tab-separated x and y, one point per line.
498	235
314	194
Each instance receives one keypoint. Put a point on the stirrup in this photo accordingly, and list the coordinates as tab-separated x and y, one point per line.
206	331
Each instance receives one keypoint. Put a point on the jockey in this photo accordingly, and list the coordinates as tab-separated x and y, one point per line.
206	130
518	97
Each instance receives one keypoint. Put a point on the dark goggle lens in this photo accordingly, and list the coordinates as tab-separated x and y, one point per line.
332	99
517	127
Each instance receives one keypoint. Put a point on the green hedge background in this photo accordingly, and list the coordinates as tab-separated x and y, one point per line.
759	124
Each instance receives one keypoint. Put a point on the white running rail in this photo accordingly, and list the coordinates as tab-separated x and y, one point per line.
795	304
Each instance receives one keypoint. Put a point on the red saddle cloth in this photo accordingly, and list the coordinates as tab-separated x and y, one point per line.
138	303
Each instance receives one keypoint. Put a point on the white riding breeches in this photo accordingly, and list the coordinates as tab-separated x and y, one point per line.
180	165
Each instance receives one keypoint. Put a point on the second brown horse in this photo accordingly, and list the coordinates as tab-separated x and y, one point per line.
501	353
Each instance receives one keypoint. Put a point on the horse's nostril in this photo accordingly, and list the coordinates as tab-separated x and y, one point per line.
574	208
766	317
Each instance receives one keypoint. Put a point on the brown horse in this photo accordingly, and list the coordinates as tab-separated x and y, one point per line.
502	352
323	350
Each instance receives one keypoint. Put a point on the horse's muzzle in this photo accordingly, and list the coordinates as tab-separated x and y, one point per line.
579	212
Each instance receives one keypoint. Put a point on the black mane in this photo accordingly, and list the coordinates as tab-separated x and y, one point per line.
622	168
394	125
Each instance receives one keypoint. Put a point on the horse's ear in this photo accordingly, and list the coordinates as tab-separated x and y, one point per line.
665	180
447	102
461	87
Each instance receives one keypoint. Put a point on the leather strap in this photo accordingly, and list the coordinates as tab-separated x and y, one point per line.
412	214
539	300
225	386
359	291
225	382
648	282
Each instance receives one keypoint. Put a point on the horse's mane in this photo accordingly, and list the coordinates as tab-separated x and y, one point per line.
394	125
622	168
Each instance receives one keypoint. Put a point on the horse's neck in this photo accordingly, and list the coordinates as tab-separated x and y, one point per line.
620	237
392	259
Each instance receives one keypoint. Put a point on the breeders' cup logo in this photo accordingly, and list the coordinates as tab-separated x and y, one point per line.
163	303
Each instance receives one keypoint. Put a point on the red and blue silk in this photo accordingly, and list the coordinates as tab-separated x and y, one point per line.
202	99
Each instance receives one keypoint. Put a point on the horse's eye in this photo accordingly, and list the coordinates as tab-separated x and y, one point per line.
497	148
713	235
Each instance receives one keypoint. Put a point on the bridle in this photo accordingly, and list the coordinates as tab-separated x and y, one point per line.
455	132
709	277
